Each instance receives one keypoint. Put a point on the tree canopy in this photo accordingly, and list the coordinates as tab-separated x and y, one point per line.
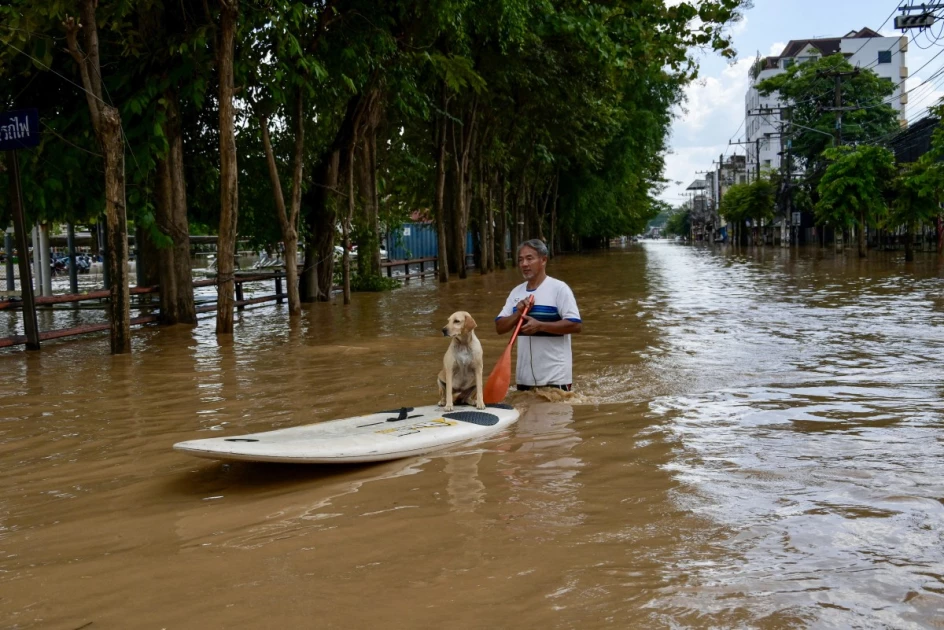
809	90
507	118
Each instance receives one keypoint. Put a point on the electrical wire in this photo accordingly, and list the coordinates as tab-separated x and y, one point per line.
64	78
902	82
124	136
880	27
858	50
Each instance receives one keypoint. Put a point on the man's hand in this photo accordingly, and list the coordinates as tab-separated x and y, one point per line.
519	308
530	326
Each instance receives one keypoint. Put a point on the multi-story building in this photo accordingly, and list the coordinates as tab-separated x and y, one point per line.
705	203
864	48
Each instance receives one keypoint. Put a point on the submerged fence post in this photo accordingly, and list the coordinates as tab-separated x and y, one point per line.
37	265
45	258
8	248
26	285
73	272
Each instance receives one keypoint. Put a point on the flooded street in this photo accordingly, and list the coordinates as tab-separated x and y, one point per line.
757	442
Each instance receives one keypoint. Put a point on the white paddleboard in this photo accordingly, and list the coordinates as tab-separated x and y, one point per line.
372	438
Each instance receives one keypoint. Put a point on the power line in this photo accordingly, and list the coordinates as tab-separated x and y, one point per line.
64	78
124	136
895	10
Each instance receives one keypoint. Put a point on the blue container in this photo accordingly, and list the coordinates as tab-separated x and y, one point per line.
419	240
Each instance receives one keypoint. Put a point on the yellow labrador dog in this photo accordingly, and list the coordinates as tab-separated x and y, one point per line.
461	375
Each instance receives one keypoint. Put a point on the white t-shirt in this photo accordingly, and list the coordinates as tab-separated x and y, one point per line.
544	358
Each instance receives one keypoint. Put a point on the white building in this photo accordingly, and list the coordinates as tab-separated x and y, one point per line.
864	49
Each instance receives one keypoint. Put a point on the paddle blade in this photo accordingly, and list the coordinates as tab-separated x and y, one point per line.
498	381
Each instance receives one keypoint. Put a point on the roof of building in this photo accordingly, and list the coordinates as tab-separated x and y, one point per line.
826	45
698	184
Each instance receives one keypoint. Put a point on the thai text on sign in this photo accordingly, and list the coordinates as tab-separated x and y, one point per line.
19	129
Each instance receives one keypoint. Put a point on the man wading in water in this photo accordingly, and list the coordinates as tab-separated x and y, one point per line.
544	358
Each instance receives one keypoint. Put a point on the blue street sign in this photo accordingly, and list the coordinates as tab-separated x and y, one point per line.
19	129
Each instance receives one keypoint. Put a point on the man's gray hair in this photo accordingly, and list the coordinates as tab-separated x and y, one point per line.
536	244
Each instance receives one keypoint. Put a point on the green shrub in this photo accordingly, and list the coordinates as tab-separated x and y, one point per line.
373	283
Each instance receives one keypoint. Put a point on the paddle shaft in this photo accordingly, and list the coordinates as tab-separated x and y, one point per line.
500	378
524	312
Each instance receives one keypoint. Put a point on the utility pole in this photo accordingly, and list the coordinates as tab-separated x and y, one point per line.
746	168
710	209
768	111
837	99
720	164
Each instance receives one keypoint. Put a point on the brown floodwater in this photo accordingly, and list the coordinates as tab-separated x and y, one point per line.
757	442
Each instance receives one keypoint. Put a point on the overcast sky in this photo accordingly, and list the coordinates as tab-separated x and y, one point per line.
714	109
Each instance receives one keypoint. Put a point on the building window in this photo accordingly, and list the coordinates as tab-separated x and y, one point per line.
884	56
787	63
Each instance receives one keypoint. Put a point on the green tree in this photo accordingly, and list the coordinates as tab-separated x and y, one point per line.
852	190
495	116
918	190
679	222
752	202
810	90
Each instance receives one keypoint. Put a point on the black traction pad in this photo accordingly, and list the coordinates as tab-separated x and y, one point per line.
501	406
474	417
400	410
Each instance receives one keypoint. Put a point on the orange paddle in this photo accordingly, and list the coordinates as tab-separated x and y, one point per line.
498	381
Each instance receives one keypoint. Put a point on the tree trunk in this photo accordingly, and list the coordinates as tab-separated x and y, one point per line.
361	219
367	220
543	213
463	142
909	243
288	218
552	250
116	220
483	222
500	252
106	122
346	224
459	221
325	203
490	227
863	246
229	197
440	194
166	269
178	226
321	220
458	249
515	228
367	232
940	234
374	224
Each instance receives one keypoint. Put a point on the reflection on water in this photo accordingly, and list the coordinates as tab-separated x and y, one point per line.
757	441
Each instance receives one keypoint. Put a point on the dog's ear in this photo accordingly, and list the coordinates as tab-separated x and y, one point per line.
468	325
